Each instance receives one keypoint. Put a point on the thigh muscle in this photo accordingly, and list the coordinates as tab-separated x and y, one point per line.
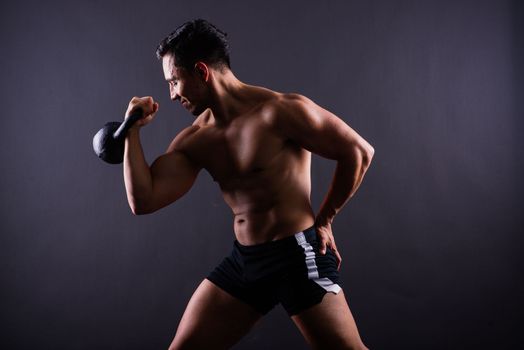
330	324
213	319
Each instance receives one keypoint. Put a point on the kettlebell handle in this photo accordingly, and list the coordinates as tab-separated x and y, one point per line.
128	123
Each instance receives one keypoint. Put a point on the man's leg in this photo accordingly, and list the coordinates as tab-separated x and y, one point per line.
213	320
329	324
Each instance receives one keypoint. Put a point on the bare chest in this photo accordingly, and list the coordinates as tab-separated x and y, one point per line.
249	145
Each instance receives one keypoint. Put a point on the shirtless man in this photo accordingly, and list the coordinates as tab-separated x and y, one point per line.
256	145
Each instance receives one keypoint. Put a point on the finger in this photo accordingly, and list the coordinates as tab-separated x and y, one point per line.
145	120
148	107
149	118
337	254
148	100
323	245
339	259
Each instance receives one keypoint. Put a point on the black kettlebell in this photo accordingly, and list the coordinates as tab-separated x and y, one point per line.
109	142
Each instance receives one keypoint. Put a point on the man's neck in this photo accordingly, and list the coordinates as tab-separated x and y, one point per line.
227	93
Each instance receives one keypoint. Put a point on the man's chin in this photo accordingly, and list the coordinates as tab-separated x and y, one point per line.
195	111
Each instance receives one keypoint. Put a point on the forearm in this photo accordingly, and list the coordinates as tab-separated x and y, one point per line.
137	174
348	176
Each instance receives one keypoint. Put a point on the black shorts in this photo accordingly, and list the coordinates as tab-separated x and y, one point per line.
290	271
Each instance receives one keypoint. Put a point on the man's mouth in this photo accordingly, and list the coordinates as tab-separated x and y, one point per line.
185	104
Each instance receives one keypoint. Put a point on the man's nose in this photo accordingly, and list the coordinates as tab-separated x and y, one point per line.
174	96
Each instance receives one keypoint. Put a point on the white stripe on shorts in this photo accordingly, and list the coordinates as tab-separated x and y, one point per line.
312	270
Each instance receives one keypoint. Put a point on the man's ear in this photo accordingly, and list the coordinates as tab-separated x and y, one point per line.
202	70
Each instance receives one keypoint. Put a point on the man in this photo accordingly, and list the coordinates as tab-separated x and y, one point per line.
256	145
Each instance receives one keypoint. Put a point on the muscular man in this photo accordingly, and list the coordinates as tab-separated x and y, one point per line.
256	144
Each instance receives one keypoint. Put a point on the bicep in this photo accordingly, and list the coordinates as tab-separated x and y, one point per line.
318	130
173	175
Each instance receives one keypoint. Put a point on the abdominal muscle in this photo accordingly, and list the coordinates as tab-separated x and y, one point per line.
261	216
273	224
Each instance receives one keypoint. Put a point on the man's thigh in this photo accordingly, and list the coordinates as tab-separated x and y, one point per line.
213	319
329	324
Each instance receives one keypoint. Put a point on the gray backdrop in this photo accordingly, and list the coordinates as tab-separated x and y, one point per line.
430	242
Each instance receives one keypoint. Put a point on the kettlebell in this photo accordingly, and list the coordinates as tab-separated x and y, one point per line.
109	142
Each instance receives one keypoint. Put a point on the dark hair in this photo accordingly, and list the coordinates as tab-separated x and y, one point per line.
196	40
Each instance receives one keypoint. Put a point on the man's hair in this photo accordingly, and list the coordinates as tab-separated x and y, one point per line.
196	40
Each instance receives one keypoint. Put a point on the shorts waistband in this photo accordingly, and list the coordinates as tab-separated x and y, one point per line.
309	233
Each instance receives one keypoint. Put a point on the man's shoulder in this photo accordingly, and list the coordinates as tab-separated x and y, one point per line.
180	142
189	136
288	102
260	96
283	106
295	101
268	97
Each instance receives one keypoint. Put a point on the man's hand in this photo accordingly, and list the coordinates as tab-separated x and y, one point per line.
325	235
148	105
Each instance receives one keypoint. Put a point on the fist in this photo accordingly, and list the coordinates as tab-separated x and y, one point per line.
149	107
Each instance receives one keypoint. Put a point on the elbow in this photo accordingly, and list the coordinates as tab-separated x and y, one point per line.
139	209
357	156
363	154
367	154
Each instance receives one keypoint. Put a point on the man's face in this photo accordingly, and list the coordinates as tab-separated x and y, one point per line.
185	86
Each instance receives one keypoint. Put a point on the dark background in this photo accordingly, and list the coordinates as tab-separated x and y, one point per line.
431	241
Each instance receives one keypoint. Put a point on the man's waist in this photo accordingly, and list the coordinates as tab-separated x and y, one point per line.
261	227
